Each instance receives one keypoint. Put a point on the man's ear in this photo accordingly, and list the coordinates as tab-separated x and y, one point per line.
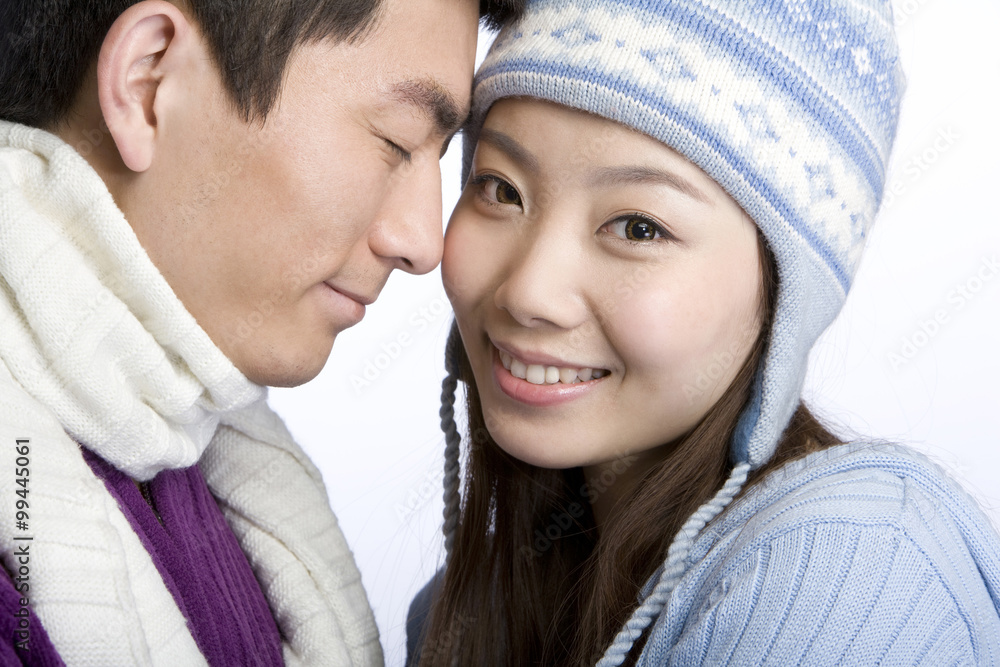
150	41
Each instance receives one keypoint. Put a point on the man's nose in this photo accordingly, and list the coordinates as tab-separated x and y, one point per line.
408	230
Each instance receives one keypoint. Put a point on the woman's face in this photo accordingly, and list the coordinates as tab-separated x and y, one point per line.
606	289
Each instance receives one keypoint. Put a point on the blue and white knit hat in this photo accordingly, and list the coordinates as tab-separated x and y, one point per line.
790	105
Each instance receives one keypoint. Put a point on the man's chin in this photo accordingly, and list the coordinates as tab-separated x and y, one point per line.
290	370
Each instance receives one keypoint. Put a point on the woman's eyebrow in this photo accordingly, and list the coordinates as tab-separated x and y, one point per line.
641	175
508	145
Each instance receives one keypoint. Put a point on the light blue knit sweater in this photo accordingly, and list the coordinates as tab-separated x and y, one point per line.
857	555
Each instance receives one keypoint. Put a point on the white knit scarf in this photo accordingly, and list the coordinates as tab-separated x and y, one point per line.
96	348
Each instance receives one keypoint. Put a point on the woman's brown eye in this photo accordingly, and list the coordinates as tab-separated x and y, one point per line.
639	229
496	191
636	228
506	194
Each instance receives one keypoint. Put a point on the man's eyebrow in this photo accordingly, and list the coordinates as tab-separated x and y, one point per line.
641	175
508	145
432	99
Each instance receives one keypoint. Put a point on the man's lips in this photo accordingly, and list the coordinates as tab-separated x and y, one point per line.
355	296
348	307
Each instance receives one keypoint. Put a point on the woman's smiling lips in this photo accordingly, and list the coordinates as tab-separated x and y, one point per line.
545	382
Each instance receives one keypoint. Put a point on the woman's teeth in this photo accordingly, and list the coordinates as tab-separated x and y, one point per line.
538	374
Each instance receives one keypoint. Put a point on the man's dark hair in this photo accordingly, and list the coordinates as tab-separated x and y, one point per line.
47	46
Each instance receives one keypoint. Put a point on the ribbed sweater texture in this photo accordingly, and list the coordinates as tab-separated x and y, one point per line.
858	555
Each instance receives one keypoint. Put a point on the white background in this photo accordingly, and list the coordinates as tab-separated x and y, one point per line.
379	447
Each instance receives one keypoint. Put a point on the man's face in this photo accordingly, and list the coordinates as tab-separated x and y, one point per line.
275	237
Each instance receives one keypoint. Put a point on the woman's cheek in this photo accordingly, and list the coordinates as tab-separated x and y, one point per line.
465	266
666	347
644	330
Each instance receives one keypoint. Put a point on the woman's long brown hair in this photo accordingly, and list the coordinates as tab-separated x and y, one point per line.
529	582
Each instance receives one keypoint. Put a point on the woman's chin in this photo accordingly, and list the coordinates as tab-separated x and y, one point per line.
548	454
538	454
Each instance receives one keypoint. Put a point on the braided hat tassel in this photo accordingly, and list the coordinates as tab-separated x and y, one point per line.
453	442
674	568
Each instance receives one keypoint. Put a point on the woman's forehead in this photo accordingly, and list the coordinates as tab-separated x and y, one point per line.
538	133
